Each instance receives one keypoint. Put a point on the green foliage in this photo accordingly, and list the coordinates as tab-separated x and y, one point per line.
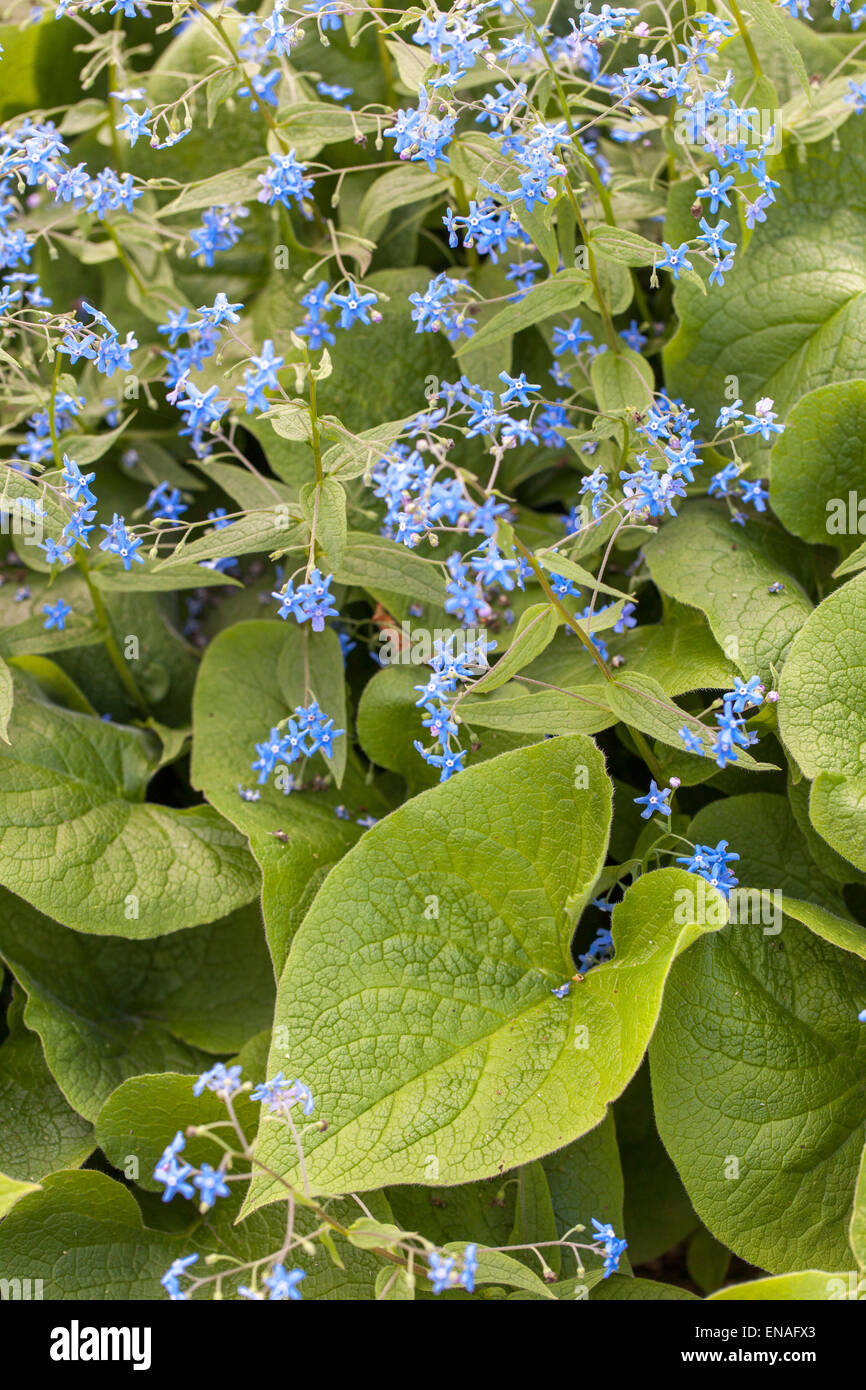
432	695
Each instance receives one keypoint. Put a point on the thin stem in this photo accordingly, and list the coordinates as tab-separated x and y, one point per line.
746	37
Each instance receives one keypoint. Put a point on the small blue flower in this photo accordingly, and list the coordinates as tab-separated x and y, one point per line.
283	1283
654	800
56	615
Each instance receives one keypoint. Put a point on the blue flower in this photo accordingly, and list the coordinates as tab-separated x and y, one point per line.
172	1275
654	800
223	1081
56	615
283	1283
211	1184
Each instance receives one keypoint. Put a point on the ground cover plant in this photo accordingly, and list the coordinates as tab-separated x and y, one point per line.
432	700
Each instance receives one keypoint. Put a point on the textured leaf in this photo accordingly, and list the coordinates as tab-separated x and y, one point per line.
47	1133
484	1049
479	984
11	1191
792	313
112	1008
757	1067
559	294
83	1235
822	696
79	841
622	381
380	566
700	559
821	458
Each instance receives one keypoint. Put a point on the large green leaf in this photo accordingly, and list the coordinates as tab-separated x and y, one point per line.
819	460
444	1038
757	1067
79	841
792	313
700	559
822	719
456	914
108	1009
822	704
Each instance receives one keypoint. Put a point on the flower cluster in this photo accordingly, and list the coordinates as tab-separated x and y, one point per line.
311	602
308	732
450	663
731	733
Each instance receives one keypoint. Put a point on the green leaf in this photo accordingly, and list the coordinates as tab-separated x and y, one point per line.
324	508
79	841
535	629
657	1213
357	454
622	381
858	1216
396	188
839	931
756	1064
581	710
837	808
484	1049
47	1133
495	1267
534	1220
84	1237
556	295
321	677
473	965
232	186
628	248
806	1286
155	578
110	1008
310	125
6	697
384	566
622	1290
261	529
822	711
818	461
768	16
11	1191
700	559
854	562
792	313
707	1260
239	696
641	703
